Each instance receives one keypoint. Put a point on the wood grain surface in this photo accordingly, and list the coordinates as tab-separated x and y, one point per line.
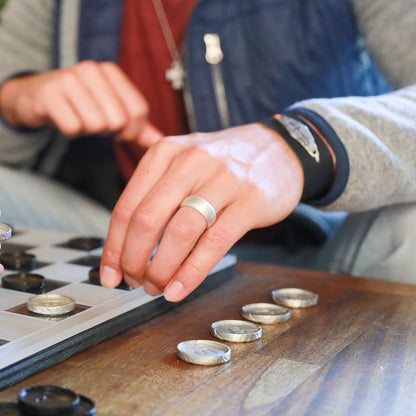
352	354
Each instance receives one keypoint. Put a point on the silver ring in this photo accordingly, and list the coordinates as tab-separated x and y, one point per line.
202	206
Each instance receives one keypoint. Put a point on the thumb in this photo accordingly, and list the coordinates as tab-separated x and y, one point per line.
149	135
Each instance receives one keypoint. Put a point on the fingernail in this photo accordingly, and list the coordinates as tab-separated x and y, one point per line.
174	291
109	277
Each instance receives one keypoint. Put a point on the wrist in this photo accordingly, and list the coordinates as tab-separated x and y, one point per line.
16	111
7	99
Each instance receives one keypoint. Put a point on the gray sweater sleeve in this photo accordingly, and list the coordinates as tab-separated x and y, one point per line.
379	133
26	36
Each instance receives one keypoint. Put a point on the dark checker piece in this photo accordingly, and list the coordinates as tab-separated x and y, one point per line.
24	282
86	407
10	409
48	400
16	260
85	243
94	276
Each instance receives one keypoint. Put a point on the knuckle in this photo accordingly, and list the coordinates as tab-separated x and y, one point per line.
123	211
109	65
111	256
94	127
193	152
86	66
130	268
183	232
195	269
158	149
144	220
139	111
192	156
118	124
72	129
157	277
224	173
188	160
68	78
217	240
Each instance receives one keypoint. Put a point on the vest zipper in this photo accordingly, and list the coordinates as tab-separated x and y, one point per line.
214	56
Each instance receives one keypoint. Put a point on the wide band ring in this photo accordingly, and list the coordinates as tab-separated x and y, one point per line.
202	206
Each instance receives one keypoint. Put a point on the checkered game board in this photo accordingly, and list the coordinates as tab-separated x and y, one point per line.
30	343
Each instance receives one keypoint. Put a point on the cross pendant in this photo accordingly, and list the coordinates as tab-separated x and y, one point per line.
176	75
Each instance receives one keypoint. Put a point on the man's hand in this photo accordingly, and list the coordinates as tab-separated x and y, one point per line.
87	98
248	173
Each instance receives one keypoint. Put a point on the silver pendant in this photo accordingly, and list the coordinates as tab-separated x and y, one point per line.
302	135
176	75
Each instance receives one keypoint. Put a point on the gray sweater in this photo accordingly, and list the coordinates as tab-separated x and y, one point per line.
379	133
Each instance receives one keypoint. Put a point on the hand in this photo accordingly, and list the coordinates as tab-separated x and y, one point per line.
248	173
87	98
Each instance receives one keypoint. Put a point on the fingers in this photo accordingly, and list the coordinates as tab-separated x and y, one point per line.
134	104
246	173
155	207
152	197
185	232
186	227
103	95
179	238
151	168
87	98
211	247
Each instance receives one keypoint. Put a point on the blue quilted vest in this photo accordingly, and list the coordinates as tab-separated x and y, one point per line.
272	54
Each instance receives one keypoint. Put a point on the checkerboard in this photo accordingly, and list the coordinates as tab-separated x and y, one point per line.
30	343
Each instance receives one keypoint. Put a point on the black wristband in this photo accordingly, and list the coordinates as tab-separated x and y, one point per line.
318	166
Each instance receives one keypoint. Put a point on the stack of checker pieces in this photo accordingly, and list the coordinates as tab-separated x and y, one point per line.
207	352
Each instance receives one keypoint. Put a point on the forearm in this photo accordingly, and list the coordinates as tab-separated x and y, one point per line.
378	134
389	31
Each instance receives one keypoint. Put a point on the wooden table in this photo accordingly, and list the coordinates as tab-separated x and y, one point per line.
352	354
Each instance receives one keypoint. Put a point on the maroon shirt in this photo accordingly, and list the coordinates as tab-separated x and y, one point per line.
145	57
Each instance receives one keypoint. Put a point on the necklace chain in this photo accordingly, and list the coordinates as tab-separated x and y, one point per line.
176	73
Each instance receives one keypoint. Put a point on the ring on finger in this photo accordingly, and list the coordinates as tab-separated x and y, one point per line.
201	205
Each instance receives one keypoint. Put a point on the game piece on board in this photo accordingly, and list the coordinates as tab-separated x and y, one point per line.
24	282
265	313
203	352
236	331
5	232
10	409
85	243
17	260
48	400
51	304
86	407
94	276
294	297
